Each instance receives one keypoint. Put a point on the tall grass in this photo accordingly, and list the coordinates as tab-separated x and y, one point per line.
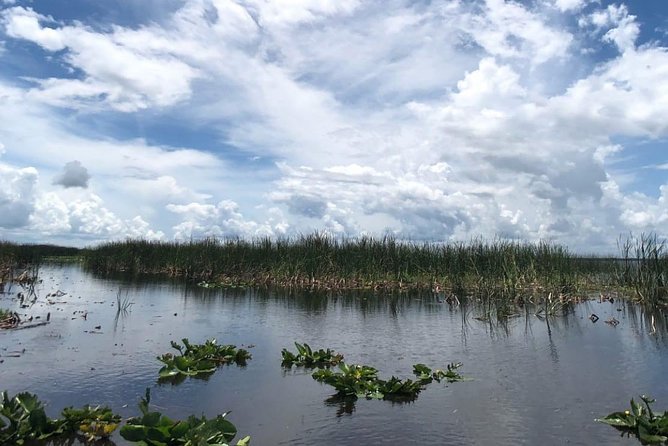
496	267
644	266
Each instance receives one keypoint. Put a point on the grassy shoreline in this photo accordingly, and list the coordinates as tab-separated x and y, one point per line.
498	268
315	261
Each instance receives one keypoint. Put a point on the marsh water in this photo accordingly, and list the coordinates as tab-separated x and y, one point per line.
531	382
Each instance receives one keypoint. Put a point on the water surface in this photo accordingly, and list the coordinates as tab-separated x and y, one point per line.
532	382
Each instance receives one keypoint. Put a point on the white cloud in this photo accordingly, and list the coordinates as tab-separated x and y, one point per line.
294	12
508	29
24	23
85	217
221	220
26	209
622	28
127	78
571	5
17	188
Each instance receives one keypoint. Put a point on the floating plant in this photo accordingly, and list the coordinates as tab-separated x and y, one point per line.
199	359
23	420
361	381
306	357
426	375
156	429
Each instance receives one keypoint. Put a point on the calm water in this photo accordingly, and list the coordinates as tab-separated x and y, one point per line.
531	384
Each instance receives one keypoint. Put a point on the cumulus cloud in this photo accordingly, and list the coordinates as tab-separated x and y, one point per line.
17	189
221	220
86	217
74	174
26	208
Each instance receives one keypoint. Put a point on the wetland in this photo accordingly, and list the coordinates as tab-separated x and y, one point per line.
524	368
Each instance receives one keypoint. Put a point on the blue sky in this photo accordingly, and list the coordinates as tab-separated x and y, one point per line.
164	119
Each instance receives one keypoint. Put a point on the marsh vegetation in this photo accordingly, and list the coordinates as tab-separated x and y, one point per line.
498	269
494	268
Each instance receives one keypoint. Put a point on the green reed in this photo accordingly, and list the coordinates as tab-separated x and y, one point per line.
644	266
490	267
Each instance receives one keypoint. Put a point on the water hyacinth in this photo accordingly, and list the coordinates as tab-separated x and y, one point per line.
307	357
155	429
199	359
361	381
24	421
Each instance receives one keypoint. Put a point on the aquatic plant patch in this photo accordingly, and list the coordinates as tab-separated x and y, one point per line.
23	420
641	421
425	375
361	381
307	357
156	429
91	422
199	359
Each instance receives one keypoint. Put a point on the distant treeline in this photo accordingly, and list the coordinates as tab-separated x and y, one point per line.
30	253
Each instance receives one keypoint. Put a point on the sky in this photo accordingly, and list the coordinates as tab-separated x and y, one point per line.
428	120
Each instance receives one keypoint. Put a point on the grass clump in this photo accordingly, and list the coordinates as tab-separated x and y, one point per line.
199	359
307	357
641	421
644	266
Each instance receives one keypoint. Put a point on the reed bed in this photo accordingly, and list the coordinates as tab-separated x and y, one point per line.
511	269
317	261
644	266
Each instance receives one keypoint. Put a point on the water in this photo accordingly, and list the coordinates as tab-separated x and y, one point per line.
532	384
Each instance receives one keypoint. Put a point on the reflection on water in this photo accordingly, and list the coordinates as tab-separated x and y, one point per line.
535	380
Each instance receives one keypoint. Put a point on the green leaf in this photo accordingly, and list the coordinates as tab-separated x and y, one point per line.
151	419
158	434
180	429
619	419
133	433
636	408
647	437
